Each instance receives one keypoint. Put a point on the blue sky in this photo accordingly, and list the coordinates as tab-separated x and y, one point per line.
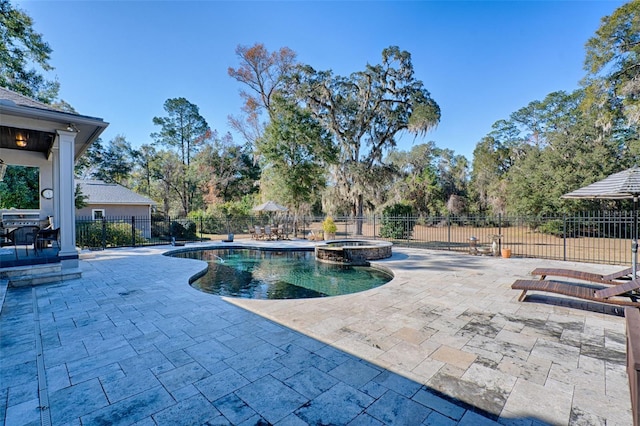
481	60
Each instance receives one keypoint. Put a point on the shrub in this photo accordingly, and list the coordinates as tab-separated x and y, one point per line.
183	229
329	226
212	223
397	222
94	235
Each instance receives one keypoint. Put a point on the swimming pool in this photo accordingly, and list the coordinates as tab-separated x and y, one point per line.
262	274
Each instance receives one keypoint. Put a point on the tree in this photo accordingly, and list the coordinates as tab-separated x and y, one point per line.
364	112
264	74
167	169
20	48
612	63
185	131
418	186
19	188
452	173
299	150
117	161
79	199
144	170
227	171
113	162
89	162
575	152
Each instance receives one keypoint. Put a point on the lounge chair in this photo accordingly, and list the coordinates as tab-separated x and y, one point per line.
616	295
584	276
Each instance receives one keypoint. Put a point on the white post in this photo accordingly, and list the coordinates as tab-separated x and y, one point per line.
65	200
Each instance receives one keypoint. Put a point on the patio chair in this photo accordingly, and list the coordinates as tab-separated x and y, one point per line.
622	294
23	236
259	233
584	276
276	233
282	233
46	237
268	234
252	233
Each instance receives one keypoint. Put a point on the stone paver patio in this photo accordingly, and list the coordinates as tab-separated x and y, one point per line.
444	343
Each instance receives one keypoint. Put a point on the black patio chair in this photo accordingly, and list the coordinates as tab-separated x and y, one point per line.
23	236
46	237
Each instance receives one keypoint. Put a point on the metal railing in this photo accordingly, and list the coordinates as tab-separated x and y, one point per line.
598	237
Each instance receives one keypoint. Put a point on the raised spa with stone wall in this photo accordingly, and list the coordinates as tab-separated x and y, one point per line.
353	252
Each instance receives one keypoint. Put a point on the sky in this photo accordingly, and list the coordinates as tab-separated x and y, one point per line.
480	60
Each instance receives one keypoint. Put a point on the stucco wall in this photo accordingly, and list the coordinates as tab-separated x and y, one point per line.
114	210
120	212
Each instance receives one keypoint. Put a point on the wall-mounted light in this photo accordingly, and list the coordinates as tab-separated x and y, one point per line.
21	139
72	128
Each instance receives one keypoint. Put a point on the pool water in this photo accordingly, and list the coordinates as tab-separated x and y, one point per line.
260	274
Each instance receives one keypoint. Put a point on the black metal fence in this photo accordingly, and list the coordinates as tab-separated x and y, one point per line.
599	237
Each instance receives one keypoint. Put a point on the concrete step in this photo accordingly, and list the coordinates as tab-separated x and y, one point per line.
38	274
18	271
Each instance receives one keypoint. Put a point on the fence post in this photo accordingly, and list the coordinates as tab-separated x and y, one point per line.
449	231
346	231
374	227
133	230
104	233
564	236
500	231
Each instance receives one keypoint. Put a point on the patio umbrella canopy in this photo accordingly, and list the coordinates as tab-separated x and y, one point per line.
618	186
270	206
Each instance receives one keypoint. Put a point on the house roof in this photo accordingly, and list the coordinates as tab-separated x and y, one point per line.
99	192
18	99
41	121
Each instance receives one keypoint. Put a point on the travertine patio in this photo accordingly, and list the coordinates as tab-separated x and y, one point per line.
444	343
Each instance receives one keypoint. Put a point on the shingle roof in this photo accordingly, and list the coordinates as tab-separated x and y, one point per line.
99	192
18	99
11	98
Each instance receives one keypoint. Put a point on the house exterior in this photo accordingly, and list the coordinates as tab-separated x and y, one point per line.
39	135
113	201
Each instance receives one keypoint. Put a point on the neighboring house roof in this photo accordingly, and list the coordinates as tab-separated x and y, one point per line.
99	192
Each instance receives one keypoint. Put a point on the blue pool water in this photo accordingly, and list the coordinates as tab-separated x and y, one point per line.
259	274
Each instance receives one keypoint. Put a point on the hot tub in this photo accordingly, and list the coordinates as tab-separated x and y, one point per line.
352	252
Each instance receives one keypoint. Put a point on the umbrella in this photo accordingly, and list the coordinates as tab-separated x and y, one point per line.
270	206
622	185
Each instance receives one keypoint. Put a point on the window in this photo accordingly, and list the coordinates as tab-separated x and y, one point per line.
98	214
